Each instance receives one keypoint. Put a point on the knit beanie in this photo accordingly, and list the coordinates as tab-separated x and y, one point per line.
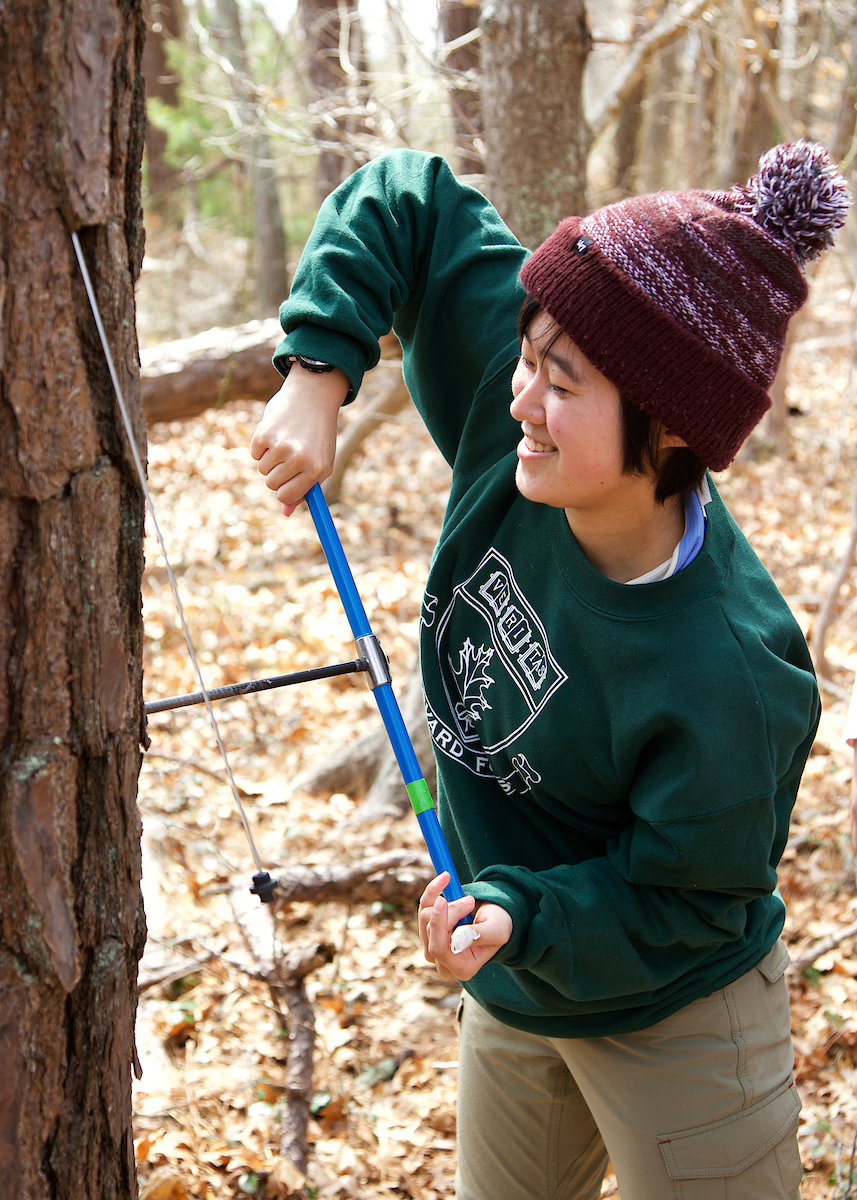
682	299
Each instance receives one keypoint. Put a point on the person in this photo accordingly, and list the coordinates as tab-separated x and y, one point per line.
620	702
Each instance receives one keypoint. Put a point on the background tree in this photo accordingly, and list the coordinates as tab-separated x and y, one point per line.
72	125
536	136
270	273
458	19
164	23
336	72
753	126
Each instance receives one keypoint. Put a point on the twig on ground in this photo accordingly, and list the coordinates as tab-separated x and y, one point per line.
170	972
819	631
286	975
182	760
397	876
799	965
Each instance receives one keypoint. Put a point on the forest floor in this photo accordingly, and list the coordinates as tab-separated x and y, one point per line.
259	600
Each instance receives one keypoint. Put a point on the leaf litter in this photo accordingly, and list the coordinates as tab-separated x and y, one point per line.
260	600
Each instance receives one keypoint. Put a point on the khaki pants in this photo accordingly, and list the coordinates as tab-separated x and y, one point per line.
701	1106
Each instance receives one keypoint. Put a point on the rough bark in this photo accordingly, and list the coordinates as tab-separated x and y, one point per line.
457	19
536	136
72	124
164	23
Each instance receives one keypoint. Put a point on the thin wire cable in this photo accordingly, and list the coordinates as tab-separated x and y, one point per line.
132	441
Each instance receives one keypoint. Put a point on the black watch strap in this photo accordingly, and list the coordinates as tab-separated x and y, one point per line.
309	364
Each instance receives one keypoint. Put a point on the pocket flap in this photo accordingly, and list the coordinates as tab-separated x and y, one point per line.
729	1146
774	963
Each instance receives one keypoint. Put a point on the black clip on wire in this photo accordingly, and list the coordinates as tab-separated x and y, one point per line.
264	887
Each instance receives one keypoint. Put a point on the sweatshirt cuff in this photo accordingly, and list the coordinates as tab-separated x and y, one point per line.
327	345
513	952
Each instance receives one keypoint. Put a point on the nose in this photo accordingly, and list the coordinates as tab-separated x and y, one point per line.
527	398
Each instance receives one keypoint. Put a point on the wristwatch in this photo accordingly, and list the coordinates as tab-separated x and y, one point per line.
309	364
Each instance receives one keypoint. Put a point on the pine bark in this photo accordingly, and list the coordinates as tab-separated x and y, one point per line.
72	125
537	139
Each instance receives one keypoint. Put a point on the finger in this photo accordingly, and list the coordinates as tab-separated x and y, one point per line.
459	909
439	928
433	890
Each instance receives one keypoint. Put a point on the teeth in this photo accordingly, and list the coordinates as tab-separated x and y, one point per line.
536	447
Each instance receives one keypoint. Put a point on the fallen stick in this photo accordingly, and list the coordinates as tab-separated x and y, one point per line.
396	876
173	971
291	975
285	976
800	964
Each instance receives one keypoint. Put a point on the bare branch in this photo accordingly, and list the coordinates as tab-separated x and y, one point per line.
819	631
671	26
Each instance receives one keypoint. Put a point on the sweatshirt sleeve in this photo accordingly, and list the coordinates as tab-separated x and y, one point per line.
402	244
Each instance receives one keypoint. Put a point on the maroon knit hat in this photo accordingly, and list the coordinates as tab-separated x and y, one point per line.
682	299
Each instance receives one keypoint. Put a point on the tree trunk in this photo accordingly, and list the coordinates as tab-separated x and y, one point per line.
164	23
331	48
659	136
72	125
271	274
457	19
700	136
753	129
536	137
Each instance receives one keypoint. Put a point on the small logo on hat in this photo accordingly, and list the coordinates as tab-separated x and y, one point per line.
582	245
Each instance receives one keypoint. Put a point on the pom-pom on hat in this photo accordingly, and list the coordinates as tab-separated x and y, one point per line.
682	299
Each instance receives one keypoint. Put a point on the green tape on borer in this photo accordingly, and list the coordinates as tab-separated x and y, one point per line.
420	796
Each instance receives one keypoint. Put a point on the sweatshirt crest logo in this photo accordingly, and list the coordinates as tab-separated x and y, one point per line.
499	671
473	682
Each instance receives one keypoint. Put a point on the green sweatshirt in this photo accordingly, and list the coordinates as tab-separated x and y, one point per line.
616	764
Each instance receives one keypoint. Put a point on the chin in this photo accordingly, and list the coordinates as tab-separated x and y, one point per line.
531	491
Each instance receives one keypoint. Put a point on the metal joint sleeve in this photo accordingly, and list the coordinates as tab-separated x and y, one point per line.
369	647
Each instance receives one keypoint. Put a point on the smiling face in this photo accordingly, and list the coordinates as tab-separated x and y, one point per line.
571	454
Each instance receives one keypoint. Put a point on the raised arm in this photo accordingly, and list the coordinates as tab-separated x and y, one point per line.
403	245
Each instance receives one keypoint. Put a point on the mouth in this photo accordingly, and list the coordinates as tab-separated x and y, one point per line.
535	447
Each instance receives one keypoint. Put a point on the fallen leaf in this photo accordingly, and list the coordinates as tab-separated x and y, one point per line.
285	1180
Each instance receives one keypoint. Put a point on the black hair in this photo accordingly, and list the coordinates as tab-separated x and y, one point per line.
677	470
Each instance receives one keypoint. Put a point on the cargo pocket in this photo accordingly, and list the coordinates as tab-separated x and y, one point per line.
728	1147
773	965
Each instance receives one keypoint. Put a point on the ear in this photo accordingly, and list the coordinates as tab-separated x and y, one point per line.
671	440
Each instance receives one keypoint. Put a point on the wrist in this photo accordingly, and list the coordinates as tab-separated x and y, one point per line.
307	369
